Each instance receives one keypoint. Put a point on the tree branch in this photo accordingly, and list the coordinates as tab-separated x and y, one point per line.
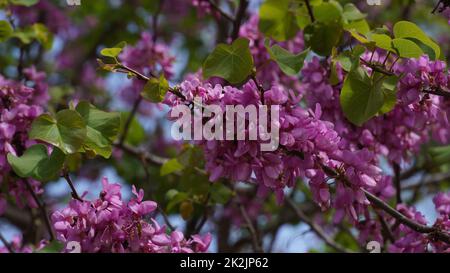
257	245
310	11
42	208
243	4
6	244
316	228
398	188
215	7
438	234
74	193
438	92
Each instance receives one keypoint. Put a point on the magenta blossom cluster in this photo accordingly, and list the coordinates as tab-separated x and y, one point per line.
310	147
19	106
42	12
400	133
110	224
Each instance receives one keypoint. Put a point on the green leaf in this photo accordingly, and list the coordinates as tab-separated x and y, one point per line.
408	30
389	89
349	60
322	37
382	41
155	89
352	13
171	166
328	12
440	155
67	131
36	163
277	19
5	30
38	32
233	63
27	3
102	128
114	51
289	63
175	198
360	26
186	209
406	48
220	193
361	97
302	17
43	35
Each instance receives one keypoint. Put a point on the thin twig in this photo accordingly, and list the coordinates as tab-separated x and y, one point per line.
386	229
438	234
257	246
220	11
435	232
243	4
42	208
398	188
316	228
310	11
436	7
437	92
6	244
431	179
74	193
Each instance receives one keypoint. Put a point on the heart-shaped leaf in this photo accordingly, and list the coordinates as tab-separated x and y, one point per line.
102	128
155	89
66	131
36	163
233	63
289	63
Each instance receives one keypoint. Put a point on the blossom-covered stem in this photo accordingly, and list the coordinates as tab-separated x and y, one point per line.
6	244
438	92
438	234
42	208
441	235
220	11
257	246
316	228
310	11
72	187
